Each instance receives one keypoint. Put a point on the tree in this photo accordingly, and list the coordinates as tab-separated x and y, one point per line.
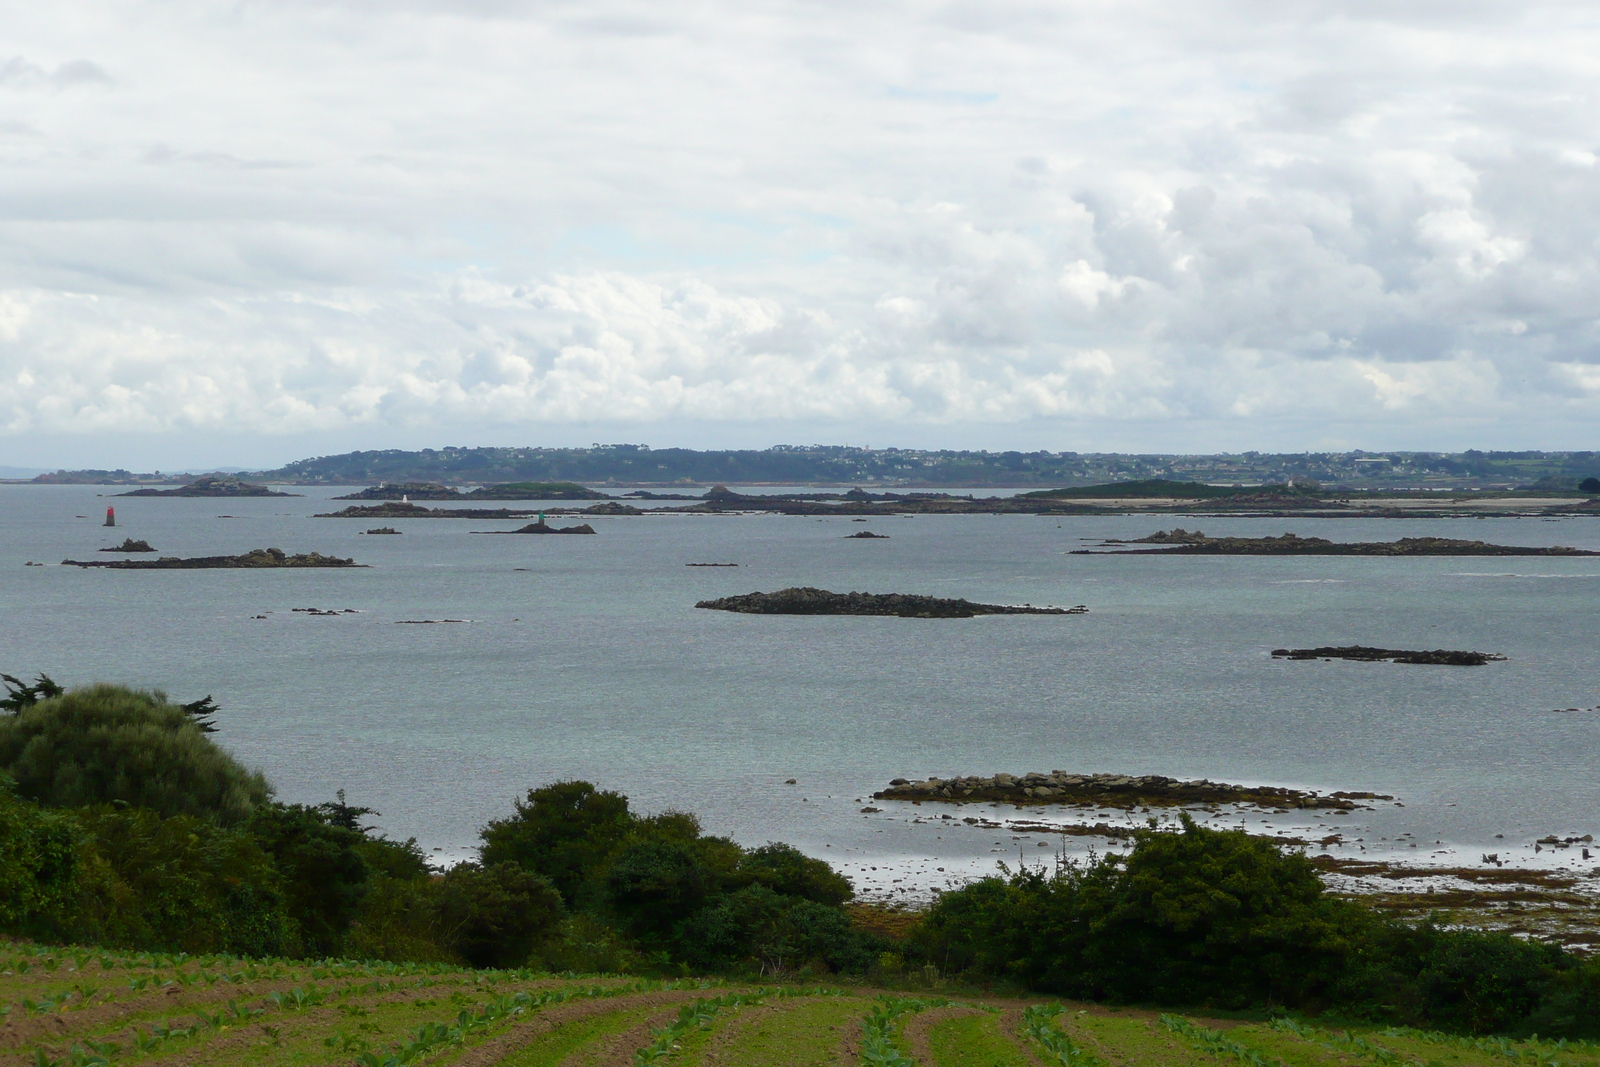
104	743
1589	485
324	875
565	831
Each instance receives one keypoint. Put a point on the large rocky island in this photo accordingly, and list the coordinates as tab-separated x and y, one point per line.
1182	542
212	485
1114	791
256	558
810	601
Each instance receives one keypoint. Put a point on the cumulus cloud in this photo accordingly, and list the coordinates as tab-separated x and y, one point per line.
353	217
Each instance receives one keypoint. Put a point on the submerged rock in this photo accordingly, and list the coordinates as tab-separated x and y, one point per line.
809	601
260	557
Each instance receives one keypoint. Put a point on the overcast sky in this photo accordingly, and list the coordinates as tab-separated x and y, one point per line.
245	232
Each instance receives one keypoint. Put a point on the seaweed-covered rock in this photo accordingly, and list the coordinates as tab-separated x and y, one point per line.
256	558
806	600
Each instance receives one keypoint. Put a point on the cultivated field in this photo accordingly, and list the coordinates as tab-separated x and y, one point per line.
82	1008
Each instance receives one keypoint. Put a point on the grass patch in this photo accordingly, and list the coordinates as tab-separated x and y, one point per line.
974	1041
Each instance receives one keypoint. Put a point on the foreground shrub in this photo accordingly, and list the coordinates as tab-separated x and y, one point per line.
497	916
176	884
566	831
105	743
38	864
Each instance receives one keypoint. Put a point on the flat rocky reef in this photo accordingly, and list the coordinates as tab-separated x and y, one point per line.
1439	656
1115	791
260	557
810	601
213	486
1182	542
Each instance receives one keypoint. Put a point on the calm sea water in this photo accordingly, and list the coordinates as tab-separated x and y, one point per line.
585	657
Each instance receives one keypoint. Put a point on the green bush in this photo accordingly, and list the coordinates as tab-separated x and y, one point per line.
1196	916
38	863
176	884
785	869
105	743
497	916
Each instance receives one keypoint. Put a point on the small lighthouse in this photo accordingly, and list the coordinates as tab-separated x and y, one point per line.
111	516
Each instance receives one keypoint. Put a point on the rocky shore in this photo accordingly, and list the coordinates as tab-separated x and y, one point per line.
1115	791
1439	656
810	601
219	485
260	557
1182	542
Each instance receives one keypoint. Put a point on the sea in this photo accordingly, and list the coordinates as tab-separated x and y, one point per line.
464	669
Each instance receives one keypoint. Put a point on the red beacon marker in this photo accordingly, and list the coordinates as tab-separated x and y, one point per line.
111	516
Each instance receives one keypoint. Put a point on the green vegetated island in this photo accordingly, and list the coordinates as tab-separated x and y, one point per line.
806	600
163	904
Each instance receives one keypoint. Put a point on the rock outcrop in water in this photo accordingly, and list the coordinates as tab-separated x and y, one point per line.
545	528
130	545
866	535
1439	656
214	485
1183	542
1114	791
810	601
256	558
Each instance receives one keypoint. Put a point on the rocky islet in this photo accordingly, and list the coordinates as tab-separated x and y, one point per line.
807	600
1115	791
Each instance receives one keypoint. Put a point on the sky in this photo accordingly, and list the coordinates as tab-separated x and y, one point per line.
246	232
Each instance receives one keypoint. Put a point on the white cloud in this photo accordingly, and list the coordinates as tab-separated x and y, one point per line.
349	217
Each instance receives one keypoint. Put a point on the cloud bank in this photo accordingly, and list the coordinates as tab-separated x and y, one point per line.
333	218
